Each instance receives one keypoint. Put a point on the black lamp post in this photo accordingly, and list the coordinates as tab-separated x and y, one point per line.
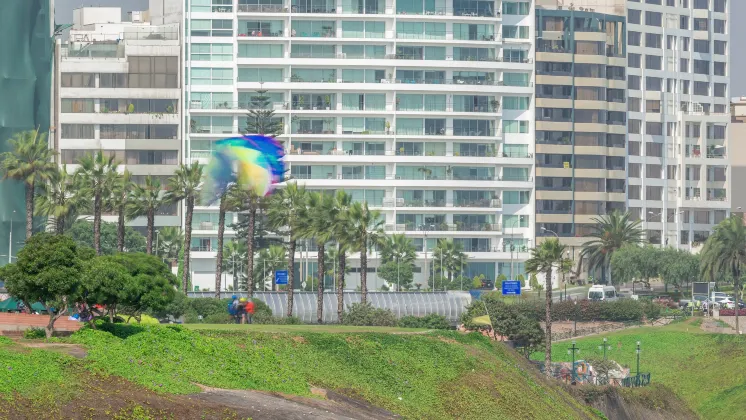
575	323
638	359
572	350
605	347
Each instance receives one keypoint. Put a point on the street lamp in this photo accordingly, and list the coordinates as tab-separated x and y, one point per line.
575	322
157	237
638	360
572	350
10	238
605	346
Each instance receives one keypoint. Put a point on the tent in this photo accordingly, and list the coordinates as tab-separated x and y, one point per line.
11	304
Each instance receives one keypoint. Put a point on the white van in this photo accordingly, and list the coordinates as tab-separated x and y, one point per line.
600	292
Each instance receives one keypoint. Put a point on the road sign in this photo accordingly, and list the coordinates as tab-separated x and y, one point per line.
511	287
281	277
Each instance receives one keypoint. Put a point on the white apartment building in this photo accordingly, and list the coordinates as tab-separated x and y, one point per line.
117	89
425	109
678	80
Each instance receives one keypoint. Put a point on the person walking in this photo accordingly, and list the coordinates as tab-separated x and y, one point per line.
242	310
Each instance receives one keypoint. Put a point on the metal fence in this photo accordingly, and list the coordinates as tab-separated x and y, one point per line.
448	304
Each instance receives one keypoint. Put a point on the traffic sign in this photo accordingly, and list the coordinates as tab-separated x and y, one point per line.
281	277
511	287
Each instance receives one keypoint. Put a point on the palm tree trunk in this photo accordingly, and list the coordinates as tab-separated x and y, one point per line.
187	242
151	231
97	222
221	233
291	274
59	225
320	293
29	209
250	248
364	273
736	289
120	229
548	323
340	283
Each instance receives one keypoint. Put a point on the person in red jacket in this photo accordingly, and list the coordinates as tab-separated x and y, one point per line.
249	311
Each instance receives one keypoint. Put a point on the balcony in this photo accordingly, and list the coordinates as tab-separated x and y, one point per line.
483	203
313	9
717	194
261	8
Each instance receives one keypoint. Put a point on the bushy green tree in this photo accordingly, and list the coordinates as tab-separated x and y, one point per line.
399	275
636	263
104	282
49	269
153	286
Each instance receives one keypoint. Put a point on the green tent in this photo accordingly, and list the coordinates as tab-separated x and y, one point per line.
11	304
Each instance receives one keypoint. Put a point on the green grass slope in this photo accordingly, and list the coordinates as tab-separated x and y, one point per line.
707	371
420	376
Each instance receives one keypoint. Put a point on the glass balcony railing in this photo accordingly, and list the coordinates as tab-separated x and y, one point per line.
261	8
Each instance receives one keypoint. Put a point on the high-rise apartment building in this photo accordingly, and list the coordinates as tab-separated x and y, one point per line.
118	90
425	109
678	81
581	120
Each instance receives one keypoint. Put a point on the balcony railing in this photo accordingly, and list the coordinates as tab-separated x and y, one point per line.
262	34
313	9
261	8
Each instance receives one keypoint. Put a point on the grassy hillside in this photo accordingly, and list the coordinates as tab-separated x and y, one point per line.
707	371
420	376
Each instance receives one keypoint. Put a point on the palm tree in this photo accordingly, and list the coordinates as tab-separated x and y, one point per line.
609	234
725	253
286	206
120	195
170	240
548	255
366	227
397	247
96	175
60	200
186	184
268	261
29	160
145	200
234	255
341	229
320	209
452	256
251	204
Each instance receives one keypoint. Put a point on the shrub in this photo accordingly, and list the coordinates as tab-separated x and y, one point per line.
364	314
218	319
34	333
732	312
263	318
429	321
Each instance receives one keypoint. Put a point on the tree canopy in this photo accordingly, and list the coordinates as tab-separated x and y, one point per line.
82	232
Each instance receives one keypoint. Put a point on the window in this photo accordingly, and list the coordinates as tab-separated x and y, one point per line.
633	38
139	131
634	170
216	27
514	8
683	66
635	126
653	128
719	6
77	105
113	80
685	41
653	40
720	89
512	31
515	126
718	26
701	67
516	197
259	75
633	104
77	131
653	18
701	4
260	50
633	82
720	47
211	76
153	72
653	62
702	46
684	22
654	84
718	68
653	105
633	60
516	103
151	157
702	88
685	87
653	193
654	149
633	148
211	52
700	24
633	16
78	80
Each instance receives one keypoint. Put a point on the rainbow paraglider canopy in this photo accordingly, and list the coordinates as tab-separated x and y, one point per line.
253	163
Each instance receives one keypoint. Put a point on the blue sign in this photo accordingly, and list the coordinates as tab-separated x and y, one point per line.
281	277
511	287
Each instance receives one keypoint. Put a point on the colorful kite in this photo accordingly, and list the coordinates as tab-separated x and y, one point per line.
252	162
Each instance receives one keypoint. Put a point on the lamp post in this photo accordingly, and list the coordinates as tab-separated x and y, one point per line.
10	238
605	346
638	359
572	350
157	237
575	322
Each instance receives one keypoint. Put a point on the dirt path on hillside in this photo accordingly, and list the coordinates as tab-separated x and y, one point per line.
272	406
73	350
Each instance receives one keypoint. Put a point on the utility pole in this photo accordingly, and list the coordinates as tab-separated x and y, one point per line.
572	350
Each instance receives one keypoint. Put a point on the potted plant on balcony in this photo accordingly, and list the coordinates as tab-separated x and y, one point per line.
328	102
388	127
327	31
193	127
131	108
301	102
495	104
443	226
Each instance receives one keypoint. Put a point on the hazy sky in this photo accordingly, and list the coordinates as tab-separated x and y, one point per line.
63	14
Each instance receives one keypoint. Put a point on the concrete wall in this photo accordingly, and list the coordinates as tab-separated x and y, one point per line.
737	154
